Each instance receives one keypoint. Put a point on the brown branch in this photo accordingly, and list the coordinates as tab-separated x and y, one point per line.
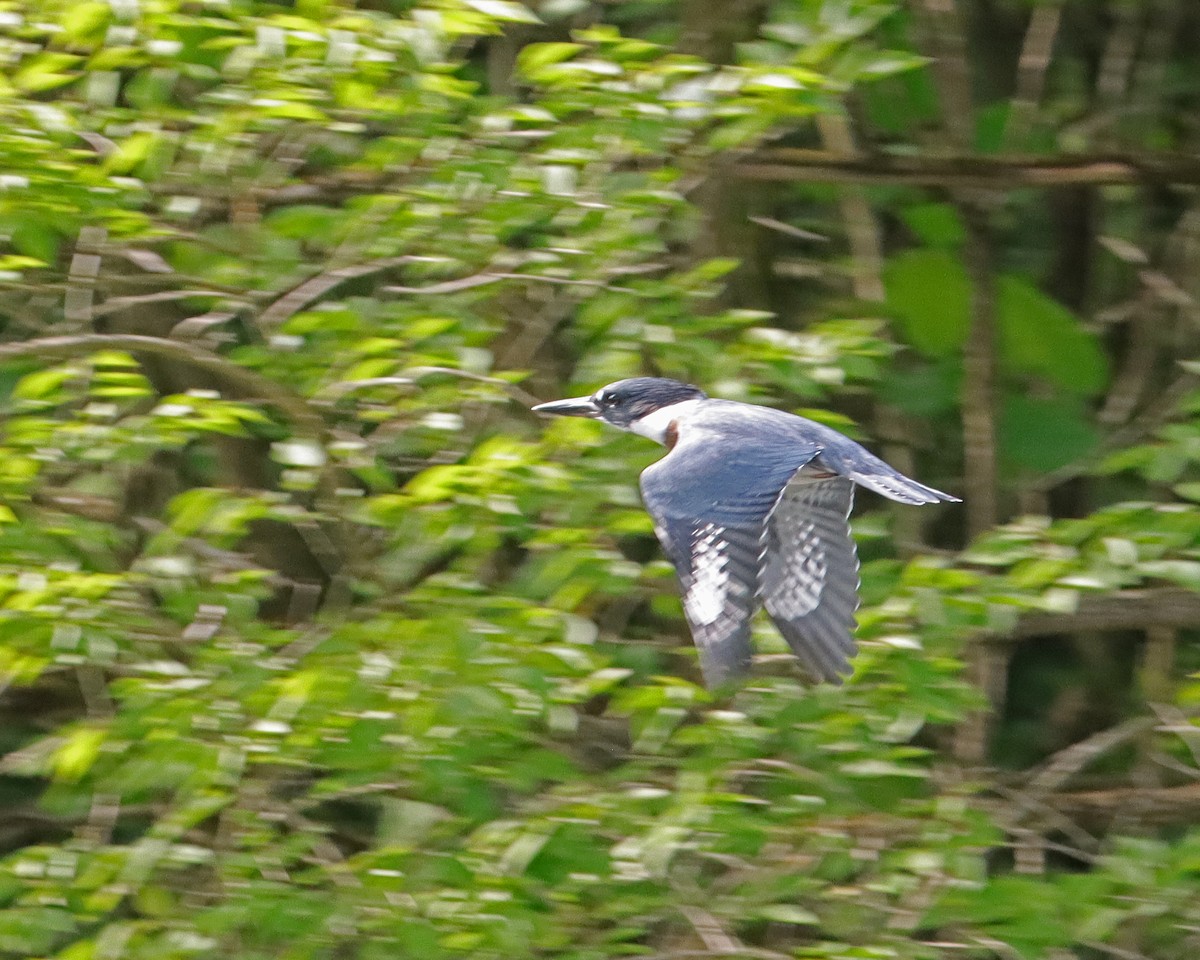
1063	765
987	667
194	327
1100	612
78	504
312	289
1155	806
968	170
1135	377
788	230
482	279
708	928
117	304
1116	62
239	379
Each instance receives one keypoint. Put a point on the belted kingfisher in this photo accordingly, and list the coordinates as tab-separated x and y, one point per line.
752	505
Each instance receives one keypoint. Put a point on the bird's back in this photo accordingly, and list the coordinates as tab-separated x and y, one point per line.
783	442
730	460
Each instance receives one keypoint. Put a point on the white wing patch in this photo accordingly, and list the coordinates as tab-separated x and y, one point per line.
806	569
705	598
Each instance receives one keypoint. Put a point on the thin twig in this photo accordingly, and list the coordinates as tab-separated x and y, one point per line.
516	392
740	953
409	378
480	279
1063	765
716	938
788	230
311	290
117	304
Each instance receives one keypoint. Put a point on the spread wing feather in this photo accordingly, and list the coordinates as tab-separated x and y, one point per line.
766	522
896	486
809	580
709	499
717	565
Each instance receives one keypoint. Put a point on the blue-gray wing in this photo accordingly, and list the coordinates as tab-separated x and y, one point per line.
766	521
710	505
809	579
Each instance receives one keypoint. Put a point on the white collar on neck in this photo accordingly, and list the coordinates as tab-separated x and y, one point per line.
656	425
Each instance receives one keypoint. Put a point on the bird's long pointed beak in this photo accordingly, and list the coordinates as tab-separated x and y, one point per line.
574	407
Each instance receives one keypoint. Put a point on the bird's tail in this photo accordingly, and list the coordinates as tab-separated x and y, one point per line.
896	486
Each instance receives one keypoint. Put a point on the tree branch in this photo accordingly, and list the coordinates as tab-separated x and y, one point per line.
1154	806
1100	612
962	170
312	289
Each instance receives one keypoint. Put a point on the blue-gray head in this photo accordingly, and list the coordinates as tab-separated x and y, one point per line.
626	403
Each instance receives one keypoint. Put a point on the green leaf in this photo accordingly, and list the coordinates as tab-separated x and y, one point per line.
937	224
930	296
45	385
787	913
1039	335
14	262
46	72
86	21
536	56
889	63
1044	434
37	240
77	754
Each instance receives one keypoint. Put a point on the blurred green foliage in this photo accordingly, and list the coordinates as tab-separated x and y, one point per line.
315	644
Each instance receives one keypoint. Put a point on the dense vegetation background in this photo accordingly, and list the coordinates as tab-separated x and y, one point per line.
314	643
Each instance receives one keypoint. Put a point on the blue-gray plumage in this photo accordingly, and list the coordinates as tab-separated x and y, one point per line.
751	505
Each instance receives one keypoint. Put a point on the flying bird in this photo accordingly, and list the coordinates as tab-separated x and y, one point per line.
752	506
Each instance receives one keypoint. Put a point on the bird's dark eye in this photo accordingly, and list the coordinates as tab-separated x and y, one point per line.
607	400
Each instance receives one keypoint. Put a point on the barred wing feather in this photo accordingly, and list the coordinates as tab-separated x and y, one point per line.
717	566
809	580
